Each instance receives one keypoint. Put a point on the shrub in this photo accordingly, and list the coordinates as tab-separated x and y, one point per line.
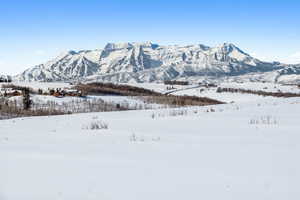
114	89
264	120
176	82
96	125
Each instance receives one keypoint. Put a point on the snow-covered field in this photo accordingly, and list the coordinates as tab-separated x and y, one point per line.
210	92
244	150
267	87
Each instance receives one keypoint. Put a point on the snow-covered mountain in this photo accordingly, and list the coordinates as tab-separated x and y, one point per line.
148	62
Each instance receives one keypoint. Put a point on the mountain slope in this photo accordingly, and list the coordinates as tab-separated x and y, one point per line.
148	62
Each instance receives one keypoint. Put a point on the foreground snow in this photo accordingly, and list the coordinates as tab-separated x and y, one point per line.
154	154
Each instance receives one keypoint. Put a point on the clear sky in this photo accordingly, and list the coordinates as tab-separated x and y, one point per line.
34	31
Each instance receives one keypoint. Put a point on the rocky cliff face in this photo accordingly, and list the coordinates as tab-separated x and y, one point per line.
148	62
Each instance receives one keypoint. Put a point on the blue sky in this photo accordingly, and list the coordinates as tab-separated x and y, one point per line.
33	31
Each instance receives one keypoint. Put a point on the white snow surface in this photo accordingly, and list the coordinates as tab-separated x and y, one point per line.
154	154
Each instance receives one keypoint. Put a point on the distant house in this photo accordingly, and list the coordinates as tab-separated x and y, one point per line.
71	92
5	79
207	85
176	82
7	92
64	92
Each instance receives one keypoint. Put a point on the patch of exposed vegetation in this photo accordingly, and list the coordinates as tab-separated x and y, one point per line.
258	92
146	95
180	101
176	82
114	89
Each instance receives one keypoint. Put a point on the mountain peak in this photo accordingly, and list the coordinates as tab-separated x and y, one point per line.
129	45
66	53
115	46
230	48
227	46
145	44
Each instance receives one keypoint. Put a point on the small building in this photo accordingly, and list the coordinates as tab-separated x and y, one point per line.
8	92
207	85
58	92
71	92
5	79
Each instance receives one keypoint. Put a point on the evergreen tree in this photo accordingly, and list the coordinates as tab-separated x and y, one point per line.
26	99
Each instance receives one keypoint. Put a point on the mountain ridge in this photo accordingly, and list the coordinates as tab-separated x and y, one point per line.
149	62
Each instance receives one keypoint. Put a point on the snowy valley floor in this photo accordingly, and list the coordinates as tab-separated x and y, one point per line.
246	150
